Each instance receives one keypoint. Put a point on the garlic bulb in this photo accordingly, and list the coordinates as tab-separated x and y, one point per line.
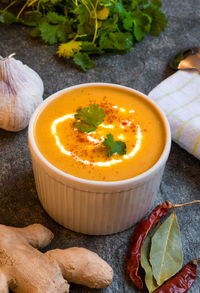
21	91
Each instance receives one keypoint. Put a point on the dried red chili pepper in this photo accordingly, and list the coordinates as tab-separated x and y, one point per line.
182	281
138	238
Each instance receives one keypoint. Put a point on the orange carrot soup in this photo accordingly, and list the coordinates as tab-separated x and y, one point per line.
136	127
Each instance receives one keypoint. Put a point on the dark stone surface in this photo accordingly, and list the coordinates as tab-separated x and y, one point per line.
143	68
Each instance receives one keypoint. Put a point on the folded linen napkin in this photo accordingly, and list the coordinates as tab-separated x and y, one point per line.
179	97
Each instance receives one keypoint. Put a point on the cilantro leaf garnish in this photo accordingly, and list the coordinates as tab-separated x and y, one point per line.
89	118
114	146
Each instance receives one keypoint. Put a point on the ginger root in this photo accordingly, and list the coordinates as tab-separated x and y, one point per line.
24	269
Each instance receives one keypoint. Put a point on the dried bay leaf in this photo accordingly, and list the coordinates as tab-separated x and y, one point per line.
166	254
145	263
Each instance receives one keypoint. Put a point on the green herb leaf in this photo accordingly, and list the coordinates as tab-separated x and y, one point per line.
91	48
142	24
103	13
86	24
7	17
145	261
52	34
55	18
35	32
89	118
159	20
101	25
68	50
166	255
128	22
116	41
177	60
31	18
114	146
83	60
157	3
48	33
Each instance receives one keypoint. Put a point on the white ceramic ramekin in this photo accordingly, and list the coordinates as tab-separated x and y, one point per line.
95	207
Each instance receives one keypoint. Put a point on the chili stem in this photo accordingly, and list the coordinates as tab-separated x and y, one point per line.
183	204
198	259
195	261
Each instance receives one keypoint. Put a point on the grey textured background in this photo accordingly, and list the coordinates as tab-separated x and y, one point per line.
143	68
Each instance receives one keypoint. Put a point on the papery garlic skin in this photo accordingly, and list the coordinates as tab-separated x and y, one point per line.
21	91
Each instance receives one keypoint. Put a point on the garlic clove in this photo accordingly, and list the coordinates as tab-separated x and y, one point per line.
21	91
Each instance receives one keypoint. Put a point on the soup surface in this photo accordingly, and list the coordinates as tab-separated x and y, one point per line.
128	117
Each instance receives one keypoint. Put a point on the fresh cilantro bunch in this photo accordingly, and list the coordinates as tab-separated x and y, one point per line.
87	27
89	118
114	146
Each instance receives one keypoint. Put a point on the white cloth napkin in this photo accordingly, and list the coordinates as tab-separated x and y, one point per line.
179	97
